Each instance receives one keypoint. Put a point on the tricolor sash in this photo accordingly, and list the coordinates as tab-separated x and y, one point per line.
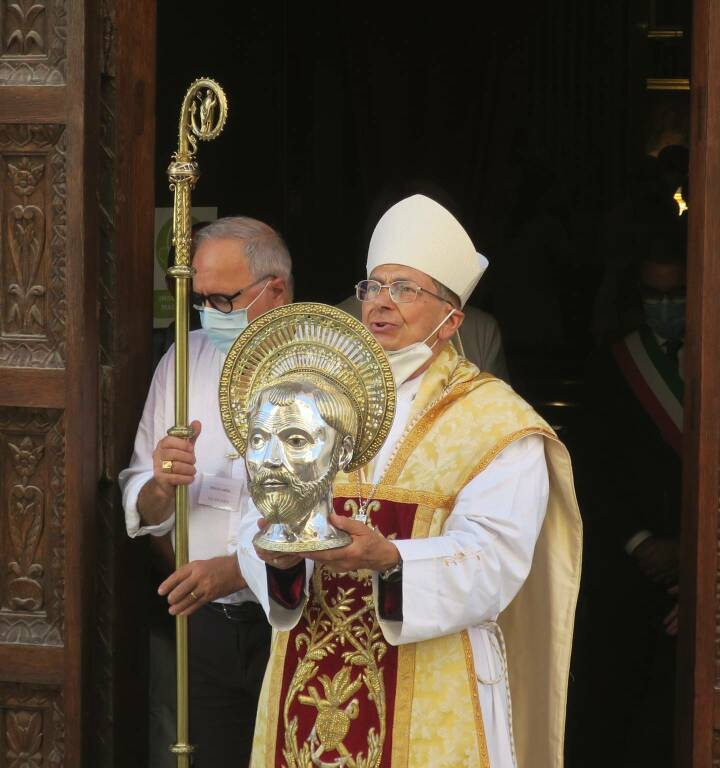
655	379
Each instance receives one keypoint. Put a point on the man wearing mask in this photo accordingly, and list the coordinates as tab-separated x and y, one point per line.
478	339
634	433
452	526
242	269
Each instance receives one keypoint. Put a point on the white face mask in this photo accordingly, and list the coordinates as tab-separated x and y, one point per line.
223	328
404	362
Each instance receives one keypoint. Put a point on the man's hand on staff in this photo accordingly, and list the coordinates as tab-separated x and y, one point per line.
369	549
173	465
201	582
174	461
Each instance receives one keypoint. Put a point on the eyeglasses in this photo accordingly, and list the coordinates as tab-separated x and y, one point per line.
401	291
220	301
652	295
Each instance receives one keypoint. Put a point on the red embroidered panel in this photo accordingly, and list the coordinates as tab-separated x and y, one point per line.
394	520
339	678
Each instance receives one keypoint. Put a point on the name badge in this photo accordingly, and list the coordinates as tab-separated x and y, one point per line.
220	492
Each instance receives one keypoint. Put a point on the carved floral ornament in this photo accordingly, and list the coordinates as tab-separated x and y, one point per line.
26	457
33	136
25	24
32	537
33	38
33	245
25	174
33	726
26	519
26	241
24	736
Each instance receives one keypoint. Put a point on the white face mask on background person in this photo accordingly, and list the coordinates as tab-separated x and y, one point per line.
404	362
223	328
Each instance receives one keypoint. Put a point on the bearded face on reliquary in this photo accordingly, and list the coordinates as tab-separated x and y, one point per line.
306	391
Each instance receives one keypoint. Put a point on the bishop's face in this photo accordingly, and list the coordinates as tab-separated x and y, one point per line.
397	326
291	459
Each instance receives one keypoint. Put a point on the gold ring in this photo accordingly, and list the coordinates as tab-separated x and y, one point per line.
167	466
193	595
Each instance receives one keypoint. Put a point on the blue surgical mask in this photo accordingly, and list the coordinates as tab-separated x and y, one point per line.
666	318
223	328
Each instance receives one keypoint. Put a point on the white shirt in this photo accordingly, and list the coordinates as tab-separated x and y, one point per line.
464	578
212	531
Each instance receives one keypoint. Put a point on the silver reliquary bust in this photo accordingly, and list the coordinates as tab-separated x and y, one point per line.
306	391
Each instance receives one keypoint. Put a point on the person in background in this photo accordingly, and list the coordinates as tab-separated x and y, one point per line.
242	269
635	393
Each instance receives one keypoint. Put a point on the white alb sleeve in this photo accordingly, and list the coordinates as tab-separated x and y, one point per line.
470	573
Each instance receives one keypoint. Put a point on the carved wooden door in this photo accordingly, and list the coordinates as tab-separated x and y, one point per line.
70	340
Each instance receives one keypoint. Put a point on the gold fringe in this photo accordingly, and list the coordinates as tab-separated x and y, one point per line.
386	493
402	715
473	685
274	699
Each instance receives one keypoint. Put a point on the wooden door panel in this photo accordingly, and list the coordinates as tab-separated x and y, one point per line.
33	47
48	379
32	726
32	476
33	217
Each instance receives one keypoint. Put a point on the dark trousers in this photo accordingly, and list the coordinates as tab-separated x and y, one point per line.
228	655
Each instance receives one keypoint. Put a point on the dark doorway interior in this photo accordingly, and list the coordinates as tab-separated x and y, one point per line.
533	123
527	124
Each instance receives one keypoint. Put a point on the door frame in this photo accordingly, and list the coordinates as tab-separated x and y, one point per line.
697	710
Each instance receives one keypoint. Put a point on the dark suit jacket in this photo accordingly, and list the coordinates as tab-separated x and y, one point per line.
632	475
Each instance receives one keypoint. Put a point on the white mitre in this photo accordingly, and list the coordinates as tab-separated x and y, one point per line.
418	232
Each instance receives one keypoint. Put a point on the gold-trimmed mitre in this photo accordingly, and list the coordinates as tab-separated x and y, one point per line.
320	343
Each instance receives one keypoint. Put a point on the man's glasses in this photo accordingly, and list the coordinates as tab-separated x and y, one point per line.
401	291
652	295
220	301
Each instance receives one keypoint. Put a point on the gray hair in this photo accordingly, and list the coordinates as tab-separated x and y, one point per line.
266	251
445	293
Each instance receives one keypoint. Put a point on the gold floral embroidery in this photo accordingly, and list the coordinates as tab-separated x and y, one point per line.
501	445
387	493
347	624
460	557
353	508
452	394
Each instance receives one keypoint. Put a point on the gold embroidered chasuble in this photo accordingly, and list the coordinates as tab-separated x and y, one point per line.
336	693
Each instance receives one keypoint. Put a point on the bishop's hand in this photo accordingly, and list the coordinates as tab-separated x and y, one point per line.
369	549
280	560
